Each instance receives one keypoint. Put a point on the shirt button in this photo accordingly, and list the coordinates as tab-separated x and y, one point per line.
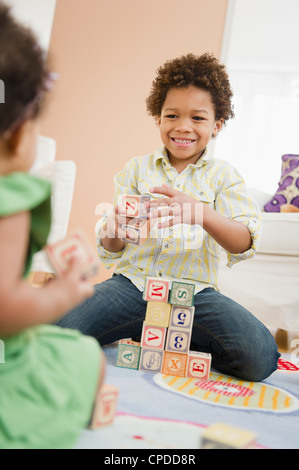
166	245
160	274
178	185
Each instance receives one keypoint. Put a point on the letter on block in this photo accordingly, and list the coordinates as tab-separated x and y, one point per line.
156	289
128	356
153	336
105	406
137	231
178	340
75	243
182	293
133	205
174	364
157	313
151	360
181	317
224	436
199	365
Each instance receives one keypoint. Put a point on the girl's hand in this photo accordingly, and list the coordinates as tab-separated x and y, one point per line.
183	209
70	288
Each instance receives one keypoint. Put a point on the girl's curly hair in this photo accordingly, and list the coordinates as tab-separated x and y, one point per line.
204	72
22	68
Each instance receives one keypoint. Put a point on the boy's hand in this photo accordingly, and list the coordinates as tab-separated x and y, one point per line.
115	221
183	209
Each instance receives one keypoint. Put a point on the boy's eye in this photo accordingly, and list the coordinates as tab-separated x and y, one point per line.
197	118
171	116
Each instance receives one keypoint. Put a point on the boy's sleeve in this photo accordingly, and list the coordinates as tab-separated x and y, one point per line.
125	182
233	202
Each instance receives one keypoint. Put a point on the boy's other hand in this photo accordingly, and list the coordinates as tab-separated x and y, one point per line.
182	208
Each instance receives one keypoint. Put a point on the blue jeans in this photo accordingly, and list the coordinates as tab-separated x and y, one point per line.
240	344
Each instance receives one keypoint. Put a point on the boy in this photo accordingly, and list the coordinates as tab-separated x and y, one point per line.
205	206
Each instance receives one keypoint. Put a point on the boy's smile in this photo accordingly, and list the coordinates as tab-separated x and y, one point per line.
187	123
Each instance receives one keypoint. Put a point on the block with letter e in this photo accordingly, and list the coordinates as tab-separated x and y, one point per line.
156	289
128	356
105	406
199	365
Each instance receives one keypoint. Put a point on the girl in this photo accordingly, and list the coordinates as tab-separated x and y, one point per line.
50	376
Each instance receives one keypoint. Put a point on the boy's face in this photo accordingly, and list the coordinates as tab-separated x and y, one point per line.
187	123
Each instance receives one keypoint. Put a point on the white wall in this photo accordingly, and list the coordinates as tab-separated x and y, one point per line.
37	14
260	50
262	34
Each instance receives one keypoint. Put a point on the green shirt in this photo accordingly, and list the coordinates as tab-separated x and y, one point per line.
23	192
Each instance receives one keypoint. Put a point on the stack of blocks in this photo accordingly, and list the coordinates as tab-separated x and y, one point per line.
138	227
166	333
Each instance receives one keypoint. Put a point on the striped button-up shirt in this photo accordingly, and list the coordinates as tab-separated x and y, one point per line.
185	252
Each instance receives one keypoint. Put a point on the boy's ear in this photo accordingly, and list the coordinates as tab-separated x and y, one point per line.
217	127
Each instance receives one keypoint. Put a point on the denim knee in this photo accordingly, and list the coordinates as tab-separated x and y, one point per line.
257	362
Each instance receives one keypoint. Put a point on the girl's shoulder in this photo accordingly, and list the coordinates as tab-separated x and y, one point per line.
22	191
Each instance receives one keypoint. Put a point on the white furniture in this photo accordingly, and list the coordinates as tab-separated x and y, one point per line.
62	175
268	284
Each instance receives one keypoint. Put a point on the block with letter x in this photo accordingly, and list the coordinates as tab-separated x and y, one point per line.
174	364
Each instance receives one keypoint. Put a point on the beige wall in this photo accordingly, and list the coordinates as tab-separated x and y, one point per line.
106	53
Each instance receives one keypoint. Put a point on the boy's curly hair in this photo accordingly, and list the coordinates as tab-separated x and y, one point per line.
204	72
22	68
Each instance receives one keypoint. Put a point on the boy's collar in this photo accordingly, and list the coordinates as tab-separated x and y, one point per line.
161	154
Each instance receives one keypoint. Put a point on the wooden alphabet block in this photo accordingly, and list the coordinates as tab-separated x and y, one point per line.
178	340
182	293
156	289
174	364
128	341
105	406
199	365
128	356
137	231
224	436
181	317
133	205
75	243
151	360
153	336
157	313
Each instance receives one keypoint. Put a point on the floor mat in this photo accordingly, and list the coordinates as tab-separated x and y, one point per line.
156	411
